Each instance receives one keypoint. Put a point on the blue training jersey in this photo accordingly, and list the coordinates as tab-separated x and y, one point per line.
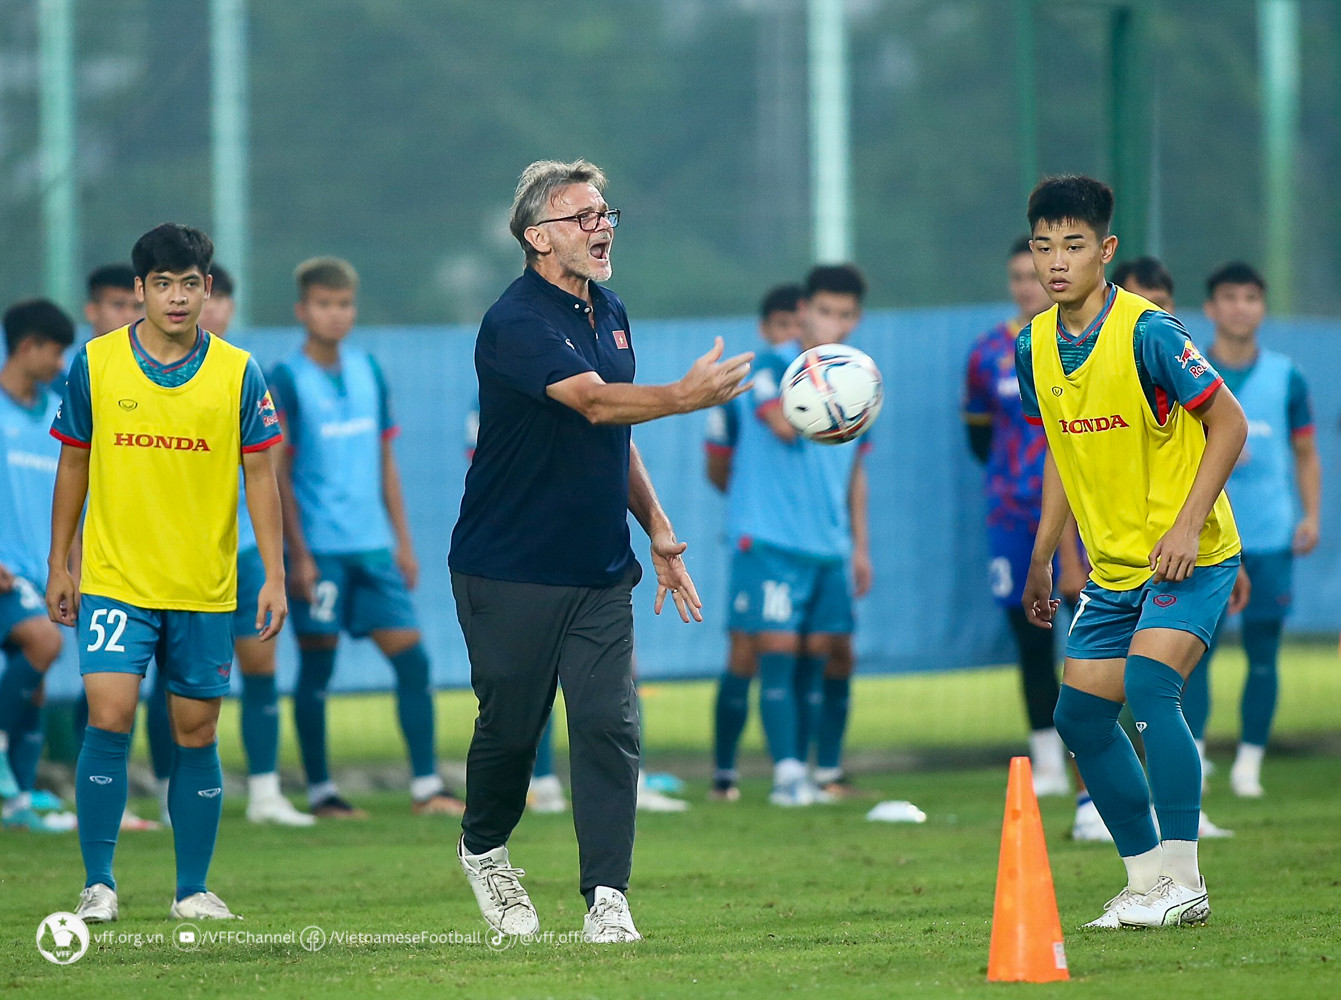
791	496
337	421
29	456
1261	487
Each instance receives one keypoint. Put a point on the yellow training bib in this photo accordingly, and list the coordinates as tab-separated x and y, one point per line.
1126	476
161	528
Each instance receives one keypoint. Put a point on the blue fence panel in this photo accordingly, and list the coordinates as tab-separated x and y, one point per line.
929	607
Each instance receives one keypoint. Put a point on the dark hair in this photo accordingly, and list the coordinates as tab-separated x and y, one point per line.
1234	273
1148	272
841	279
325	272
1020	246
1072	198
223	281
782	298
41	319
174	248
110	276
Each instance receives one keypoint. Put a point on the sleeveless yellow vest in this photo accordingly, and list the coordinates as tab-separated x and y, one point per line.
1126	477
161	527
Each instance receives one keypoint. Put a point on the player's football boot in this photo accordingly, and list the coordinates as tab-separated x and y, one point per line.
546	795
201	906
439	804
654	801
278	810
841	789
97	905
137	824
609	920
35	822
1168	904
1089	827
1113	909
1246	782
724	790
793	794
334	807
497	886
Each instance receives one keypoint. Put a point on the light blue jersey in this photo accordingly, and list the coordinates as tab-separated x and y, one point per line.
793	496
336	423
1262	485
27	479
246	534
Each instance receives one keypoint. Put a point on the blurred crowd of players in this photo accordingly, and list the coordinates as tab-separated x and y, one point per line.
797	525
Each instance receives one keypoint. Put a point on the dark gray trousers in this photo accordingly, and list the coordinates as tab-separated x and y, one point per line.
523	639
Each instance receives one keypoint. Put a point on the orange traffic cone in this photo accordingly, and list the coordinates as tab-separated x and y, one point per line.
1026	931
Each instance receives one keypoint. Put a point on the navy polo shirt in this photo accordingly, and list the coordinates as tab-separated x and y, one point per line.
547	492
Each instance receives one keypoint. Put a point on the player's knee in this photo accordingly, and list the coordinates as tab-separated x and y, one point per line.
1080	723
41	648
842	660
112	718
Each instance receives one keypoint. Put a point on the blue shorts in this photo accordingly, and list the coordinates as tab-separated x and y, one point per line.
777	591
1106	620
359	592
24	601
1010	552
250	578
1272	577
194	649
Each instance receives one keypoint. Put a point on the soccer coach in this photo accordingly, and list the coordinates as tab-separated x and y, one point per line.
542	568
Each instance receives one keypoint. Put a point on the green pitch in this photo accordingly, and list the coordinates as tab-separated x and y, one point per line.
738	900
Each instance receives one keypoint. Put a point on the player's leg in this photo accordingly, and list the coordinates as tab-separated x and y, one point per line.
317	627
595	666
513	633
1174	631
380	606
158	729
731	712
811	661
545	794
828	643
1088	706
197	659
1263	621
116	643
33	643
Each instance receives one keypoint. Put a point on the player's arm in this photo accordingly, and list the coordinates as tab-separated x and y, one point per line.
1307	467
67	504
393	498
719	468
303	574
710	381
858	504
667	553
977	408
1201	391
272	606
771	415
1073	570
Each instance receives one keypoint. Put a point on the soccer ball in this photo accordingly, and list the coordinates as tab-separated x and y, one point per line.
832	393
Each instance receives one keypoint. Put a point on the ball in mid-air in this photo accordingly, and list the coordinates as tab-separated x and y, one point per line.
832	393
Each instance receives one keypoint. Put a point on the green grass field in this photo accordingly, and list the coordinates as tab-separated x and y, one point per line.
734	900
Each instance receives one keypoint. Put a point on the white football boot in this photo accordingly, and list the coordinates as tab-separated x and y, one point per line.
1113	909
503	902
201	906
97	905
1168	904
609	920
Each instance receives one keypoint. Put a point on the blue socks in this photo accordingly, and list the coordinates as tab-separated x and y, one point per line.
195	802
315	667
100	799
1154	691
806	683
837	699
158	727
18	685
1089	727
414	706
777	704
733	709
260	723
1261	641
544	752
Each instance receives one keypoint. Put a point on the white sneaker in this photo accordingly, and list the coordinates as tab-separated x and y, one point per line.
546	795
793	794
1114	908
1168	904
609	921
1206	830
1089	826
201	906
278	810
137	824
650	801
1246	783
97	905
503	902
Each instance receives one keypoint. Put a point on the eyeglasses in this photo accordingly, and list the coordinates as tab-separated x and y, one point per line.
588	222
